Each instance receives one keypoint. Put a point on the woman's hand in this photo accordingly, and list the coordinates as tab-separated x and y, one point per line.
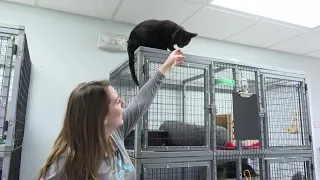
176	58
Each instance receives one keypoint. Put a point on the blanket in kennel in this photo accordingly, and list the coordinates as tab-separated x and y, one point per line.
184	134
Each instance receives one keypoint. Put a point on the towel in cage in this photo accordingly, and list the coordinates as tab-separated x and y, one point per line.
184	134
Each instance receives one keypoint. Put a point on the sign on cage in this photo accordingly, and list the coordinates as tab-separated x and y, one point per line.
246	113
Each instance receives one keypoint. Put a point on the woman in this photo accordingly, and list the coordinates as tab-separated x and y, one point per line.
91	142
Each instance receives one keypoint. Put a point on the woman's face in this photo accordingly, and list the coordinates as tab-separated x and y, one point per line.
114	117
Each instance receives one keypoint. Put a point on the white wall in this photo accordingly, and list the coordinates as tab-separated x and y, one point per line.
69	43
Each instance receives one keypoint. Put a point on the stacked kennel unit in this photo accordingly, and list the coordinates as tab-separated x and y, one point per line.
217	119
15	69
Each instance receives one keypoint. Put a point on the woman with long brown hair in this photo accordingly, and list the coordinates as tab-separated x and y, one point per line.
94	129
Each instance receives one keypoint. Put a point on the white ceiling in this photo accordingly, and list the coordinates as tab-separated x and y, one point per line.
199	16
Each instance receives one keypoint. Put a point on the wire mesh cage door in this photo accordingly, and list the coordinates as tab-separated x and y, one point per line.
178	117
7	51
287	122
15	69
227	167
296	168
177	171
236	130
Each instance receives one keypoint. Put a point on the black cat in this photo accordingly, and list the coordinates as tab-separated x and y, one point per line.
229	170
297	176
159	34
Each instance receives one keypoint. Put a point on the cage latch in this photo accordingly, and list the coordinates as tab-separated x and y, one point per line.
211	109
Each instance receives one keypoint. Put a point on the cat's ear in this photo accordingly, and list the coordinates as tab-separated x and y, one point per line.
194	35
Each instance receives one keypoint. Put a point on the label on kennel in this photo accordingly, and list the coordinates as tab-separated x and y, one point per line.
246	117
221	81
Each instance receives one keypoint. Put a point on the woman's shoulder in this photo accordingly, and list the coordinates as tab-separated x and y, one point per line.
55	170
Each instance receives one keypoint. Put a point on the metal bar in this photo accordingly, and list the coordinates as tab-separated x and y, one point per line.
15	90
174	160
6	167
207	126
223	153
267	169
284	155
264	111
139	128
138	166
145	117
306	131
261	140
264	69
308	113
176	148
209	172
6	83
183	102
301	127
212	113
166	85
9	31
193	78
159	58
238	142
287	160
12	26
219	69
308	170
175	154
176	165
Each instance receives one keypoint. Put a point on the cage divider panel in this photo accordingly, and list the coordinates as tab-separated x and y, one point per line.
246	117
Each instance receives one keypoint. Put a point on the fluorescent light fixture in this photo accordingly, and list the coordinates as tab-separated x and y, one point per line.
299	12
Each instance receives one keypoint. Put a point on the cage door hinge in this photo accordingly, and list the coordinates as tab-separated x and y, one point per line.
212	109
305	87
262	112
310	138
312	167
144	68
14	49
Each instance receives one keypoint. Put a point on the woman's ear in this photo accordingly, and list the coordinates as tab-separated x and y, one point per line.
106	121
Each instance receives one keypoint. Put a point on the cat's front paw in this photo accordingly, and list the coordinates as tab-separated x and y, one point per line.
172	48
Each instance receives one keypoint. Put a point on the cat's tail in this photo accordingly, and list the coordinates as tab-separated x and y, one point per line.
132	68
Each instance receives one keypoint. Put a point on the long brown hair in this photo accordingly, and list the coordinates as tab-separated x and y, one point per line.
82	139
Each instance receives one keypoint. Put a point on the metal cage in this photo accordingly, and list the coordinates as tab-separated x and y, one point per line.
15	70
177	119
231	113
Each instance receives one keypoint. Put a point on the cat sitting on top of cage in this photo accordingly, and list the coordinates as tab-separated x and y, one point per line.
159	34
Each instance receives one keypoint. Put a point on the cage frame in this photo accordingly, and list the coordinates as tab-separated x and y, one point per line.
9	152
142	164
205	75
143	55
307	158
305	98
